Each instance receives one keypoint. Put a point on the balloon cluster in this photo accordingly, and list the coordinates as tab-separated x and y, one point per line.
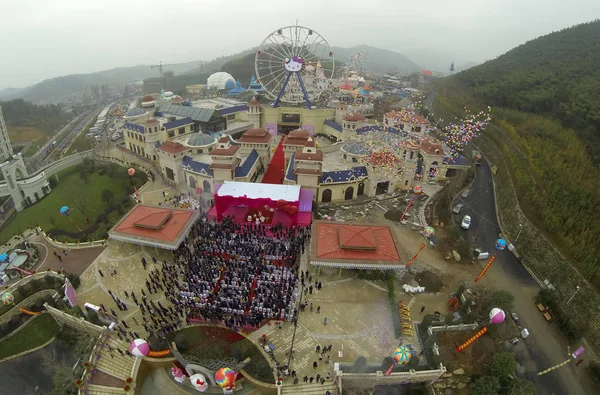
457	135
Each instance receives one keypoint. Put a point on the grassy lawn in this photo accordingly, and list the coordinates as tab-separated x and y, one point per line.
35	146
71	191
36	333
81	143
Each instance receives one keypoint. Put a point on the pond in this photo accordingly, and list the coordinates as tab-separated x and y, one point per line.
210	344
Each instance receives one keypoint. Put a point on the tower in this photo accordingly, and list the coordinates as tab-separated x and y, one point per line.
6	150
254	113
340	111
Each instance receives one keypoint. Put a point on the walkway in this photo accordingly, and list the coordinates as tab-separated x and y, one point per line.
275	172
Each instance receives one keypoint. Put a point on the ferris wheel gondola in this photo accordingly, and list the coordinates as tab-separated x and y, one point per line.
294	64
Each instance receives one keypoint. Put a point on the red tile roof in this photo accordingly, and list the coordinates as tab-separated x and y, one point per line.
354	117
317	156
231	151
254	103
354	244
299	133
152	121
153	223
432	146
256	136
173	148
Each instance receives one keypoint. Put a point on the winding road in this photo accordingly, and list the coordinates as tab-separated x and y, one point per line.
545	347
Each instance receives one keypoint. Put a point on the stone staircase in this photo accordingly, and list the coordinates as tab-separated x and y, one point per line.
119	366
308	389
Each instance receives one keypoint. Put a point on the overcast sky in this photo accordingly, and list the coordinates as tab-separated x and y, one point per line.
48	38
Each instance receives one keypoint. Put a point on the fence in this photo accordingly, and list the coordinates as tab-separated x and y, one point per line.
449	328
74	322
412	376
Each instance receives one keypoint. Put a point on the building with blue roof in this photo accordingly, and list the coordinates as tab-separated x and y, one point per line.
236	90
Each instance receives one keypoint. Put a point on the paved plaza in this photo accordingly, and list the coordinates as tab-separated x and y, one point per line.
359	319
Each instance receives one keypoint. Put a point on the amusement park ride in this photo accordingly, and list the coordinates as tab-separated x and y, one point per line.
294	64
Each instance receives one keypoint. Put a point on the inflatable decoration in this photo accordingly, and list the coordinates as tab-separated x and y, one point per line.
199	382
500	244
402	355
7	298
497	316
131	171
178	374
429	231
225	378
139	348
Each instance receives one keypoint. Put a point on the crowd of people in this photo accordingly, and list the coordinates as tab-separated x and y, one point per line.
239	274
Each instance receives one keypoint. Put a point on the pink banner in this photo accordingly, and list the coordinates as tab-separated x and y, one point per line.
271	128
309	128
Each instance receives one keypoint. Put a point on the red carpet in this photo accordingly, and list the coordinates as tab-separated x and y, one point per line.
274	174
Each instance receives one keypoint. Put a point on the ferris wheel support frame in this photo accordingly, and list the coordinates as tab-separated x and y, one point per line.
282	90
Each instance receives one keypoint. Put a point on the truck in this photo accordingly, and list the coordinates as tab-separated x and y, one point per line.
477	158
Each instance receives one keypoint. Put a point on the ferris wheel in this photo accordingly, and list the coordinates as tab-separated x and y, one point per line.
294	64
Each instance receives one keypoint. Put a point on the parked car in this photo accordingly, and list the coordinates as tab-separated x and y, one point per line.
466	222
458	208
514	340
465	193
515	317
479	254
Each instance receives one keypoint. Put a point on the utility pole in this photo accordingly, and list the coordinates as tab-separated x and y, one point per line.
575	293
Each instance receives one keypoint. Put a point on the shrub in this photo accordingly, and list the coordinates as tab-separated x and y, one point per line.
594	370
93	317
74	279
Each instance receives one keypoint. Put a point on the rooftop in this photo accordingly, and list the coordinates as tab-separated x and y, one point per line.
154	226
356	246
256	136
173	148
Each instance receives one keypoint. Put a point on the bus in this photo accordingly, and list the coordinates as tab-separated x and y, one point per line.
477	158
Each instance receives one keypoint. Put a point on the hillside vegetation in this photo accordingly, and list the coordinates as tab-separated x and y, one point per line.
544	170
23	115
557	75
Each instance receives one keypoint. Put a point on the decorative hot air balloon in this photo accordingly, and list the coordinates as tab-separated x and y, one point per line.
131	171
139	348
500	244
199	382
429	231
497	316
64	210
3	257
417	190
8	298
225	377
402	355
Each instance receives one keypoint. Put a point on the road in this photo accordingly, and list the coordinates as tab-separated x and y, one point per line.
545	347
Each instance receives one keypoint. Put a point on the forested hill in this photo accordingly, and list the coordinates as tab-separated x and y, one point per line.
19	112
556	75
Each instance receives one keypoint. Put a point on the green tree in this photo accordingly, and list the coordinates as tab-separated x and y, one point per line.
486	385
522	387
84	175
501	299
107	196
503	365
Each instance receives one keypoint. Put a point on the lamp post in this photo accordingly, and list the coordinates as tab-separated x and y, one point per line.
519	234
575	293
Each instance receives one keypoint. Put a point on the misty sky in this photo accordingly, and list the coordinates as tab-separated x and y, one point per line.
43	38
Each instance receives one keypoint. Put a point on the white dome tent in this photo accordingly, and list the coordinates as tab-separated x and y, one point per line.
219	80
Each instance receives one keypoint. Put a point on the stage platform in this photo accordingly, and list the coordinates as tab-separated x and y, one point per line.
240	217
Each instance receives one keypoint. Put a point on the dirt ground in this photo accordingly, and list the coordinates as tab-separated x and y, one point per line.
475	360
23	134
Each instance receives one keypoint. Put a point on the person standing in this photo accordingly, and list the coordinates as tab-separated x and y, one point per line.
422	309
